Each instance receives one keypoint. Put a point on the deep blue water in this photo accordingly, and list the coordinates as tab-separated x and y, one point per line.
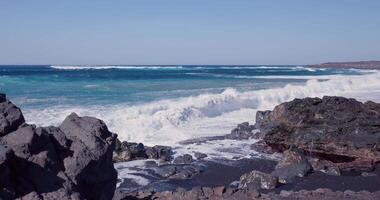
42	86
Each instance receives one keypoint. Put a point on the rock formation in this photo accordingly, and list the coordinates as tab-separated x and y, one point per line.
72	161
341	130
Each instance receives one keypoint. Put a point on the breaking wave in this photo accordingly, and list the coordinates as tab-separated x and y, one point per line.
88	67
168	121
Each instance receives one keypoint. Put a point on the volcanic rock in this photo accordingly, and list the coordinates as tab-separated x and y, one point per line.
338	129
10	116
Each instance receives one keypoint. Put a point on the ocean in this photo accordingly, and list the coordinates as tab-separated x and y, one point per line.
164	105
167	104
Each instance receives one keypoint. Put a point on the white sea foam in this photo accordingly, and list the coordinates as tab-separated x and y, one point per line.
168	121
89	67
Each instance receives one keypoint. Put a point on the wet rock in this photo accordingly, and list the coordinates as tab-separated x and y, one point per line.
199	155
258	180
293	164
166	171
183	159
332	128
243	131
150	164
159	152
10	116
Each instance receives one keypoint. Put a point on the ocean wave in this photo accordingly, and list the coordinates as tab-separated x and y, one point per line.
169	121
88	67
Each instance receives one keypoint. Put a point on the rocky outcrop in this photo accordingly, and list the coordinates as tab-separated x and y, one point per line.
10	116
73	161
243	131
337	129
127	151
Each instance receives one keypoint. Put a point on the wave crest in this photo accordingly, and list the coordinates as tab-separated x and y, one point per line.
169	121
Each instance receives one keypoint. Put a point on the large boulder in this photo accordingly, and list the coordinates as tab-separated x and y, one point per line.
334	128
10	116
73	161
90	166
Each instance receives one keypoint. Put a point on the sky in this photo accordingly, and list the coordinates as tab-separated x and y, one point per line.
155	32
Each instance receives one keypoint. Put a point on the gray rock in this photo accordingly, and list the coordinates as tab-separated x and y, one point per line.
293	164
258	180
199	155
166	170
243	131
10	116
183	159
73	161
90	166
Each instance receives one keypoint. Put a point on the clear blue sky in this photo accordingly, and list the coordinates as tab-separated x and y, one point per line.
188	31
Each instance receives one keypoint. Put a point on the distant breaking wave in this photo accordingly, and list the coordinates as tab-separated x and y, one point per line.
94	67
83	67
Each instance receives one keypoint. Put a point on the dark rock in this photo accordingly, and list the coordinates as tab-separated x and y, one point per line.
262	147
332	128
70	162
199	155
183	159
166	171
293	164
159	152
324	166
10	116
243	131
3	97
258	180
6	186
150	164
90	166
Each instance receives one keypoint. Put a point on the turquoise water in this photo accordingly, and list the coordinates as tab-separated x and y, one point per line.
167	104
42	86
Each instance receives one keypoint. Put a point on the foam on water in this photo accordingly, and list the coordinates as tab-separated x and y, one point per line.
168	121
91	67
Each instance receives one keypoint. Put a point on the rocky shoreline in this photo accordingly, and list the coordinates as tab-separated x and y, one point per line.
329	147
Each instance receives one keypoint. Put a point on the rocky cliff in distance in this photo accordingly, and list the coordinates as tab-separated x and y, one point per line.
357	65
72	161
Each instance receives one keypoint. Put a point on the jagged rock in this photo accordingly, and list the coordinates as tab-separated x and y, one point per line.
90	166
159	152
127	151
199	155
10	116
293	164
73	161
243	131
183	159
6	186
258	180
166	171
332	128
